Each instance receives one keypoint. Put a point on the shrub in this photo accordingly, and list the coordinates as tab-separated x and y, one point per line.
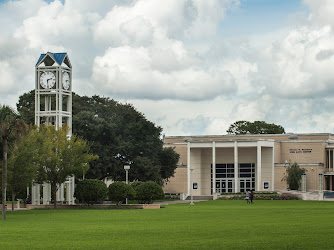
294	176
91	191
119	191
136	184
147	192
286	196
257	196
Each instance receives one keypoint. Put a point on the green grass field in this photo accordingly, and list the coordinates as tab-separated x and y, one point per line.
206	225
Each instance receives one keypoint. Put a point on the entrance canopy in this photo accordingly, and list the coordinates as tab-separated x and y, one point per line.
223	166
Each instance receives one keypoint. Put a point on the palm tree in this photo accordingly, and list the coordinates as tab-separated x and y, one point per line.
11	128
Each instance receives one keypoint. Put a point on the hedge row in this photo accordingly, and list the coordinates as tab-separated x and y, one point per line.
263	196
91	191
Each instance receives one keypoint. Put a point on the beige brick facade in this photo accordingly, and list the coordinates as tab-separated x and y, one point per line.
269	153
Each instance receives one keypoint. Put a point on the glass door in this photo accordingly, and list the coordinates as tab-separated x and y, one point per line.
230	186
245	184
220	186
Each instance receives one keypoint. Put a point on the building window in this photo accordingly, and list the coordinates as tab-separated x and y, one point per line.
225	182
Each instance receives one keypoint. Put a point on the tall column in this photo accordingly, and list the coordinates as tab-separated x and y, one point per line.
68	192
188	166
329	160
35	194
236	168
45	193
273	170
38	194
258	167
62	198
60	193
73	189
213	167
332	161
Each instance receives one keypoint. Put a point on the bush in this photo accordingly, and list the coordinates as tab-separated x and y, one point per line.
91	191
147	192
119	191
136	184
286	196
257	196
294	176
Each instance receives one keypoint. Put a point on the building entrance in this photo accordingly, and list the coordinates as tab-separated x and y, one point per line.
225	186
245	184
225	181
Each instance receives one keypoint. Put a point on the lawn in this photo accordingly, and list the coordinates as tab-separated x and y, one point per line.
206	225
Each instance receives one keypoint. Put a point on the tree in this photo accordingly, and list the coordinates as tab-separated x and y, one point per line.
91	191
256	127
26	107
120	135
22	164
60	156
294	176
11	128
119	191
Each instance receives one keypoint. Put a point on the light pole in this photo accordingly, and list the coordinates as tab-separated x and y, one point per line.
191	186
126	168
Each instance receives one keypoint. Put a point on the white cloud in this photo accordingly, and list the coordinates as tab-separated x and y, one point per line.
126	71
167	58
300	65
54	26
7	83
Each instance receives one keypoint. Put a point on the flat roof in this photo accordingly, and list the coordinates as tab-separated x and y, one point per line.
244	135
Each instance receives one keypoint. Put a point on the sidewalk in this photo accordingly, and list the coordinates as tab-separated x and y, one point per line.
175	202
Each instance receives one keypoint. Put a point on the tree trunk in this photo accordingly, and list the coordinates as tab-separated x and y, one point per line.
13	199
54	194
4	176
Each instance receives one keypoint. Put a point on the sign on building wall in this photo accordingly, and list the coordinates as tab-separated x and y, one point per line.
266	185
300	150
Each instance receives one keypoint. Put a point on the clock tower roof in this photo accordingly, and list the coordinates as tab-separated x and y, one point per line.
50	58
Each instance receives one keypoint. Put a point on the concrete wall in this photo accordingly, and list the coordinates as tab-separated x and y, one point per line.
280	182
266	167
178	183
206	161
293	152
312	177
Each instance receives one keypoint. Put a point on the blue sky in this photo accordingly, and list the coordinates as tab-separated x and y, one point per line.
260	16
192	67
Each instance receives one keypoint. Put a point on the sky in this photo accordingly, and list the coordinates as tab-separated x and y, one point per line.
192	67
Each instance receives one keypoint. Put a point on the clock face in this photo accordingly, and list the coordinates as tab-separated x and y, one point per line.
66	80
48	80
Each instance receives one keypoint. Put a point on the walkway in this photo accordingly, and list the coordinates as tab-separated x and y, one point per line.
175	202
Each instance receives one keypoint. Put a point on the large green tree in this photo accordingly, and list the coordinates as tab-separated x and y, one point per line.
256	127
59	156
120	135
11	128
22	164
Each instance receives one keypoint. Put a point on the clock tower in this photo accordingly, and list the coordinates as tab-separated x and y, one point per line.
53	90
53	106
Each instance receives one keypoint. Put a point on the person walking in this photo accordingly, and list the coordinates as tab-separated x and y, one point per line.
251	196
247	196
